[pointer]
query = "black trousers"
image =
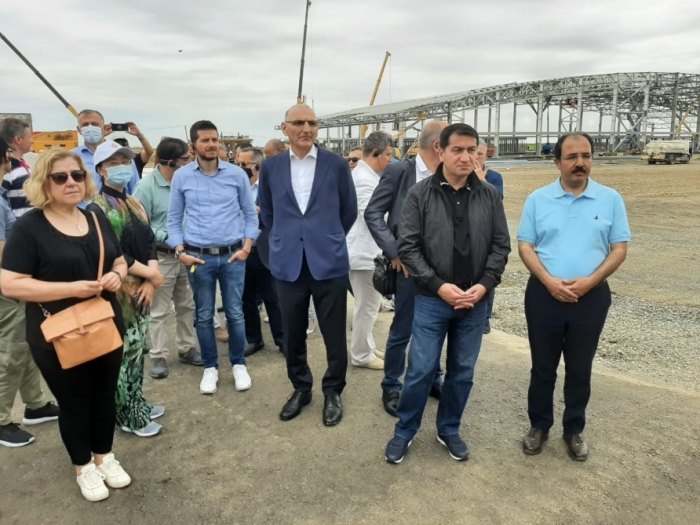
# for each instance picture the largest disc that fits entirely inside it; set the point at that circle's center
(573, 329)
(260, 283)
(86, 396)
(330, 299)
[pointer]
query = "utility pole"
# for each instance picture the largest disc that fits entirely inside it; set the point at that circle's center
(300, 99)
(41, 77)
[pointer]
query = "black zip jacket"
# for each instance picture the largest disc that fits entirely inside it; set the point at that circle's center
(426, 234)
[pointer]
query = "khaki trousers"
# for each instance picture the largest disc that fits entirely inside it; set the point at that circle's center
(175, 289)
(17, 368)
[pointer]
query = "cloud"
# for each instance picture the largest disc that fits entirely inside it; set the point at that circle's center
(239, 63)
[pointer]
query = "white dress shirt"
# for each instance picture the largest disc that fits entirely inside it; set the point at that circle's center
(361, 246)
(303, 171)
(422, 171)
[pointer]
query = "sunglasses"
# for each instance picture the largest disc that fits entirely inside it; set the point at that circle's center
(252, 165)
(353, 159)
(62, 178)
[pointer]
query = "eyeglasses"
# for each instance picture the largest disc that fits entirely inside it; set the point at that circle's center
(113, 163)
(300, 123)
(353, 159)
(572, 158)
(61, 178)
(244, 164)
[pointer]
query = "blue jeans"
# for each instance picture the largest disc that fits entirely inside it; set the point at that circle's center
(231, 278)
(433, 320)
(400, 335)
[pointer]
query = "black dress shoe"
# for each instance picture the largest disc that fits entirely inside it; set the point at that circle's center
(332, 410)
(436, 391)
(391, 401)
(292, 408)
(253, 348)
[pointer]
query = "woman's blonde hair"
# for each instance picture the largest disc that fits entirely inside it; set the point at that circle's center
(37, 186)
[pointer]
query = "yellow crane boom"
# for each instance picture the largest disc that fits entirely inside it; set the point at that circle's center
(363, 130)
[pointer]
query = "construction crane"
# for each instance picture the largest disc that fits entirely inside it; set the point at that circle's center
(300, 97)
(363, 130)
(41, 77)
(682, 121)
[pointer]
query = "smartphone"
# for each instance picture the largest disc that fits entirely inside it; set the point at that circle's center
(120, 127)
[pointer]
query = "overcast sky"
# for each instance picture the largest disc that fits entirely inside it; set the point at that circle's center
(239, 64)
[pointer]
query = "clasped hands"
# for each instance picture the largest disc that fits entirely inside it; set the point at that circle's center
(569, 290)
(459, 298)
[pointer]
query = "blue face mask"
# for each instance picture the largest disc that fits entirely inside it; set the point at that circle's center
(91, 134)
(119, 175)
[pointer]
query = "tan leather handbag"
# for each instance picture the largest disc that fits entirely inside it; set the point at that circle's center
(84, 331)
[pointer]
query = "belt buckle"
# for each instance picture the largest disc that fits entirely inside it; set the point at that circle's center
(213, 251)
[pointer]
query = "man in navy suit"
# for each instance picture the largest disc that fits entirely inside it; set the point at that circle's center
(308, 204)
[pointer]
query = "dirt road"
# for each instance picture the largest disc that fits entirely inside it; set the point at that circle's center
(229, 459)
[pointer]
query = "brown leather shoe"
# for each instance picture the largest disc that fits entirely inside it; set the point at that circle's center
(576, 447)
(533, 442)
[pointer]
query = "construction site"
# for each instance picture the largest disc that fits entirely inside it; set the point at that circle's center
(623, 112)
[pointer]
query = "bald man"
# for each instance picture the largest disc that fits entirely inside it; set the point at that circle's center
(274, 147)
(308, 203)
(388, 199)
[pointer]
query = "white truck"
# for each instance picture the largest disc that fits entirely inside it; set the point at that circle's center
(668, 151)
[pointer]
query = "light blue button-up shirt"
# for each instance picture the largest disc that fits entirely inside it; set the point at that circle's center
(572, 235)
(219, 208)
(89, 156)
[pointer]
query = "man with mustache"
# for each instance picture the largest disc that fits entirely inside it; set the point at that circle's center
(573, 235)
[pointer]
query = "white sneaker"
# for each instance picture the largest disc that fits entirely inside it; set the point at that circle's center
(241, 377)
(209, 381)
(113, 473)
(92, 484)
(150, 430)
(312, 326)
(157, 412)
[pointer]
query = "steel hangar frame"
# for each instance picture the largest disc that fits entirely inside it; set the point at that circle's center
(640, 107)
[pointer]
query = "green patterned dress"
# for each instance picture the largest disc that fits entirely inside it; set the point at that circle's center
(130, 222)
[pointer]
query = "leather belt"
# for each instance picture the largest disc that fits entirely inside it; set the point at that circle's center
(165, 250)
(215, 251)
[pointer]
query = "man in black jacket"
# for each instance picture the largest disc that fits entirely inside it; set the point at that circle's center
(388, 198)
(454, 242)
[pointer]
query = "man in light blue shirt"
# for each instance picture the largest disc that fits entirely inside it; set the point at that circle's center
(573, 235)
(91, 125)
(221, 224)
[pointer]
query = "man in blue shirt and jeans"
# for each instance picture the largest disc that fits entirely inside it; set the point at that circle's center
(220, 227)
(573, 235)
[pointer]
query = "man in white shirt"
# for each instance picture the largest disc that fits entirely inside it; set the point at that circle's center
(308, 203)
(382, 216)
(377, 154)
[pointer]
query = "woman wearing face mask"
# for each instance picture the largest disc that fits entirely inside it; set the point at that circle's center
(130, 222)
(51, 262)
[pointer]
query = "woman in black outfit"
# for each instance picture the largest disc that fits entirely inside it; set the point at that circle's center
(51, 258)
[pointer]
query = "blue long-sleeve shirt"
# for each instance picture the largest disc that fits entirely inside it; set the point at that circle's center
(219, 209)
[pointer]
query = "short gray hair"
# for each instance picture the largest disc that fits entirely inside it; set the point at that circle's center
(258, 155)
(377, 140)
(482, 142)
(11, 128)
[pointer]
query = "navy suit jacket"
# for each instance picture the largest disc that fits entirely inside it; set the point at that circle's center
(320, 232)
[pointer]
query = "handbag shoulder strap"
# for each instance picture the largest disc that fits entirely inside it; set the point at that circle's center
(102, 246)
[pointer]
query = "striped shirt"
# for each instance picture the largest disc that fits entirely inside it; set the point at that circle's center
(14, 184)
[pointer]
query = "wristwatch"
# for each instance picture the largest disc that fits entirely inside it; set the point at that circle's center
(178, 253)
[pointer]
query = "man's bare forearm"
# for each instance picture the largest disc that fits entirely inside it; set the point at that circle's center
(617, 255)
(532, 262)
